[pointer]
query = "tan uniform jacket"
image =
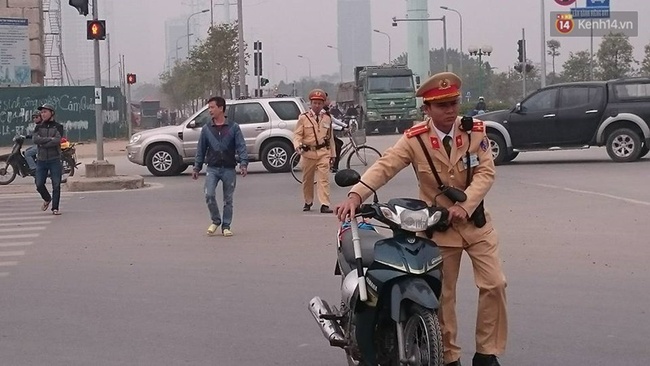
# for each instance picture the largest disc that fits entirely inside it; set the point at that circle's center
(311, 133)
(452, 172)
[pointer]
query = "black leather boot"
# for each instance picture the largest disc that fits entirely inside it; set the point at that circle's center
(307, 207)
(325, 209)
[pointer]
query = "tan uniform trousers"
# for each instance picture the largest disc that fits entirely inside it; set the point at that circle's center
(310, 167)
(491, 320)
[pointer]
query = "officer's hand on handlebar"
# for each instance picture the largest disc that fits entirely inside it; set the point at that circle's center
(347, 208)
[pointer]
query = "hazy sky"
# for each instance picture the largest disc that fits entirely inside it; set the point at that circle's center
(291, 27)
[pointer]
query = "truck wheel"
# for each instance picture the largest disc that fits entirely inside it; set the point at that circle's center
(276, 155)
(163, 160)
(624, 145)
(403, 126)
(370, 127)
(498, 148)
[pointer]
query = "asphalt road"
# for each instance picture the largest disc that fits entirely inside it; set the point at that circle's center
(130, 278)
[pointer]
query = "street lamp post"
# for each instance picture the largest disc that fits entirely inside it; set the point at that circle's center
(178, 47)
(188, 28)
(338, 52)
(442, 19)
(480, 52)
(286, 73)
(308, 64)
(461, 36)
(390, 59)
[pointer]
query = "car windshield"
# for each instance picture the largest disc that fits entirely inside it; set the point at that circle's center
(390, 84)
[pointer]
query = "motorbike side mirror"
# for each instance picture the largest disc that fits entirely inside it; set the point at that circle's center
(347, 178)
(454, 194)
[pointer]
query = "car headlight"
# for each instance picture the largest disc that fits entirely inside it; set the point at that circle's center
(135, 138)
(410, 220)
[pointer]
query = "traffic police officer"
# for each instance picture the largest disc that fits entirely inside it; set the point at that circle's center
(314, 141)
(453, 149)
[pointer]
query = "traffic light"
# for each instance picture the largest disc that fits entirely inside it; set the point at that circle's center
(96, 29)
(521, 47)
(264, 81)
(131, 79)
(80, 5)
(529, 67)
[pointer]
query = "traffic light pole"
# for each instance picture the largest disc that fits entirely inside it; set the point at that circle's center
(240, 45)
(99, 126)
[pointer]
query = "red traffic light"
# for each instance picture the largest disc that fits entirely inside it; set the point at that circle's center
(130, 78)
(96, 29)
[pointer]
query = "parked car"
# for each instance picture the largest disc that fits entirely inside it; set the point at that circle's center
(614, 114)
(266, 123)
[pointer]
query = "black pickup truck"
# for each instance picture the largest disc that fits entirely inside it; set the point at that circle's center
(615, 114)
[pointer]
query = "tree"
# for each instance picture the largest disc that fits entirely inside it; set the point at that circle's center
(576, 68)
(553, 47)
(645, 64)
(615, 57)
(211, 69)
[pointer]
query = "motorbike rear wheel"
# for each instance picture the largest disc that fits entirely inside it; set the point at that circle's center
(8, 172)
(423, 337)
(69, 166)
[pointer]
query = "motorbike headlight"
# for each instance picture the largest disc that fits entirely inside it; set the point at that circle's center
(135, 138)
(410, 220)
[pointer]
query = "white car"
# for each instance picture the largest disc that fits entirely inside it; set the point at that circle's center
(266, 123)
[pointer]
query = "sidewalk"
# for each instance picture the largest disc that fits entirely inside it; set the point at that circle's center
(86, 150)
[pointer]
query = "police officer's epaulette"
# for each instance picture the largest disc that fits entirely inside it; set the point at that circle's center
(478, 126)
(416, 130)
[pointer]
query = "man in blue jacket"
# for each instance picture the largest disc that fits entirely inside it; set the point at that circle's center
(219, 145)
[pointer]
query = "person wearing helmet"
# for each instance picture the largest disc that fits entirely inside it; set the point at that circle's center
(30, 152)
(47, 136)
(481, 106)
(314, 142)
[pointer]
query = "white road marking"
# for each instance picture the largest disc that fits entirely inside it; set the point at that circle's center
(8, 263)
(14, 253)
(16, 244)
(26, 228)
(18, 236)
(25, 225)
(24, 218)
(13, 214)
(619, 198)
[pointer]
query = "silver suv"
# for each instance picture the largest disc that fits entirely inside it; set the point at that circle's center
(266, 123)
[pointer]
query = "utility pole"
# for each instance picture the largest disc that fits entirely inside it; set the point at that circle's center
(99, 125)
(543, 47)
(242, 58)
(108, 51)
(525, 62)
(129, 122)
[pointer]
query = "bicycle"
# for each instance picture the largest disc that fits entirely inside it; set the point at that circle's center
(359, 155)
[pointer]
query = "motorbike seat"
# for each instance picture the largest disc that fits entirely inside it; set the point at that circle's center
(368, 240)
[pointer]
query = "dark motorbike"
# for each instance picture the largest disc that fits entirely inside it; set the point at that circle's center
(15, 163)
(390, 286)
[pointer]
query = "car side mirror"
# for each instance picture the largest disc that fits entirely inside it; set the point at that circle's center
(193, 124)
(518, 108)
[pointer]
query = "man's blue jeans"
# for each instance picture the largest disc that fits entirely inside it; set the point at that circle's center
(228, 178)
(30, 156)
(54, 167)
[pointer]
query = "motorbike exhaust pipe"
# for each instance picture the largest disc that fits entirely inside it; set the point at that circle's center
(330, 328)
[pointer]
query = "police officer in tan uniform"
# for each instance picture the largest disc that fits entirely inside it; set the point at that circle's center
(453, 150)
(313, 140)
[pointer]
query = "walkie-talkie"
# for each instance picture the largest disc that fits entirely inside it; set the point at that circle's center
(478, 216)
(466, 124)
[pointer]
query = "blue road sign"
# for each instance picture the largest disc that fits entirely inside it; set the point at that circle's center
(598, 3)
(589, 13)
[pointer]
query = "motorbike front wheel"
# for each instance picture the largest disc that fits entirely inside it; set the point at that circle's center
(423, 337)
(7, 172)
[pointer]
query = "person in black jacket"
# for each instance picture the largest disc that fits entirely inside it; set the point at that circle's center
(47, 136)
